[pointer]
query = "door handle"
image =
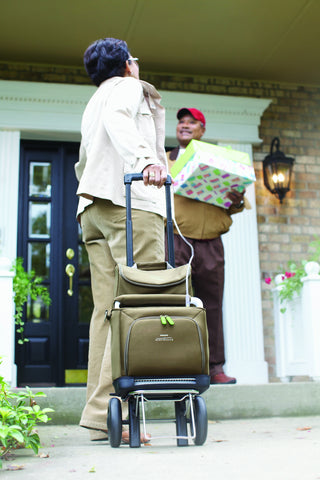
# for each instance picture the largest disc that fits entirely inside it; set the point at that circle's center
(70, 253)
(70, 272)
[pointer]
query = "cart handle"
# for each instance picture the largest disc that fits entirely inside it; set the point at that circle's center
(128, 179)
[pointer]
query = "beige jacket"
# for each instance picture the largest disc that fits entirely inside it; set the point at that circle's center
(123, 131)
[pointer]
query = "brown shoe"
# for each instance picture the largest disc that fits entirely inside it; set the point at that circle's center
(221, 379)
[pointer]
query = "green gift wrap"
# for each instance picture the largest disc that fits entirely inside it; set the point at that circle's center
(206, 172)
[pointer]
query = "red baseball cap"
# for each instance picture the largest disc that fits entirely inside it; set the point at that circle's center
(196, 114)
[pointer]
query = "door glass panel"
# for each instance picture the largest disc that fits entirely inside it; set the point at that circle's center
(84, 269)
(37, 311)
(39, 219)
(39, 258)
(85, 295)
(79, 234)
(85, 304)
(40, 179)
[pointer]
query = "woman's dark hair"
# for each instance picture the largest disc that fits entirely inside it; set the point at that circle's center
(106, 58)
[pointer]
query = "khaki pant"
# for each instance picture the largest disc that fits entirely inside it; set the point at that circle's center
(103, 227)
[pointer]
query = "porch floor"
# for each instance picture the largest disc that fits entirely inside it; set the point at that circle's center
(223, 402)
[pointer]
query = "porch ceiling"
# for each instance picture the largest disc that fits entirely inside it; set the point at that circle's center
(276, 40)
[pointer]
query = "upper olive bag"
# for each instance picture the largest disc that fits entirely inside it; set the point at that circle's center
(153, 278)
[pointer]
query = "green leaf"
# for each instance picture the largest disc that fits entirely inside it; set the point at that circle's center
(17, 436)
(43, 418)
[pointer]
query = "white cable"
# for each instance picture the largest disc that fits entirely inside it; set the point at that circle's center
(189, 263)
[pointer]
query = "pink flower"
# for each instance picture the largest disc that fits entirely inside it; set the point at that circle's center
(289, 274)
(268, 280)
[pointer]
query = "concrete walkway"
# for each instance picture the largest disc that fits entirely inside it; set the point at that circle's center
(246, 449)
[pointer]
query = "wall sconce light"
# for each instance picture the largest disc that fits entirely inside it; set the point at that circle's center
(277, 170)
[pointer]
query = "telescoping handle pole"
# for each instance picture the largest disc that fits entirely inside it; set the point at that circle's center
(128, 179)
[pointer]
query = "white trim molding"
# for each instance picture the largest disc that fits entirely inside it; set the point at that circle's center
(53, 111)
(43, 111)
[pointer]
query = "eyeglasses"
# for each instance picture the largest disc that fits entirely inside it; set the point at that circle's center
(133, 59)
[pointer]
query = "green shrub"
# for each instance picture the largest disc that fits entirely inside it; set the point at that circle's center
(19, 415)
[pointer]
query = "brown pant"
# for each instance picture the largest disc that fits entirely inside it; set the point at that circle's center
(208, 283)
(103, 227)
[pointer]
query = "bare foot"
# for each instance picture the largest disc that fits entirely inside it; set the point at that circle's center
(143, 438)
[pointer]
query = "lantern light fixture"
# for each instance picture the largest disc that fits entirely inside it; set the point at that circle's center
(277, 171)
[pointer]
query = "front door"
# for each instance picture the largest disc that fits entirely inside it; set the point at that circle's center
(49, 240)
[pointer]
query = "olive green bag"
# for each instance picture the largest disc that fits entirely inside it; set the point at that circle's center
(157, 335)
(152, 278)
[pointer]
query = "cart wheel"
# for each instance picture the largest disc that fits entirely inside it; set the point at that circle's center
(114, 422)
(181, 423)
(201, 420)
(134, 422)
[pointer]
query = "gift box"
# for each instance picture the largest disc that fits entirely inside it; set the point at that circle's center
(206, 172)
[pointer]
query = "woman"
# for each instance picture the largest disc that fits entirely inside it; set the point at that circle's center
(122, 132)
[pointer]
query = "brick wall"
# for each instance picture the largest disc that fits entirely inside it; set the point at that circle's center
(286, 230)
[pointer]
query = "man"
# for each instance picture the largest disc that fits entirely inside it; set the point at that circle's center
(122, 131)
(203, 224)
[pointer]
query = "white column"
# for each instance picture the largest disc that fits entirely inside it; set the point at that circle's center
(8, 369)
(243, 323)
(310, 314)
(290, 336)
(9, 175)
(9, 179)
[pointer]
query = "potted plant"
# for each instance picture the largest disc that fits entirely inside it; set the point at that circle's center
(290, 280)
(26, 285)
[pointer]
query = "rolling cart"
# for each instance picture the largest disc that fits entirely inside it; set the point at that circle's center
(172, 328)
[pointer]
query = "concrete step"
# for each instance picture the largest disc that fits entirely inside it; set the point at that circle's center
(223, 402)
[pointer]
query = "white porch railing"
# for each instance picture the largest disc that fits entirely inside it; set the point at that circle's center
(297, 330)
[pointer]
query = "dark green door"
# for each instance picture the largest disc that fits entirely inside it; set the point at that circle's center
(49, 241)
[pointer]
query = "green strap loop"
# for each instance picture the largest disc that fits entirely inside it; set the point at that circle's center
(163, 319)
(169, 320)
